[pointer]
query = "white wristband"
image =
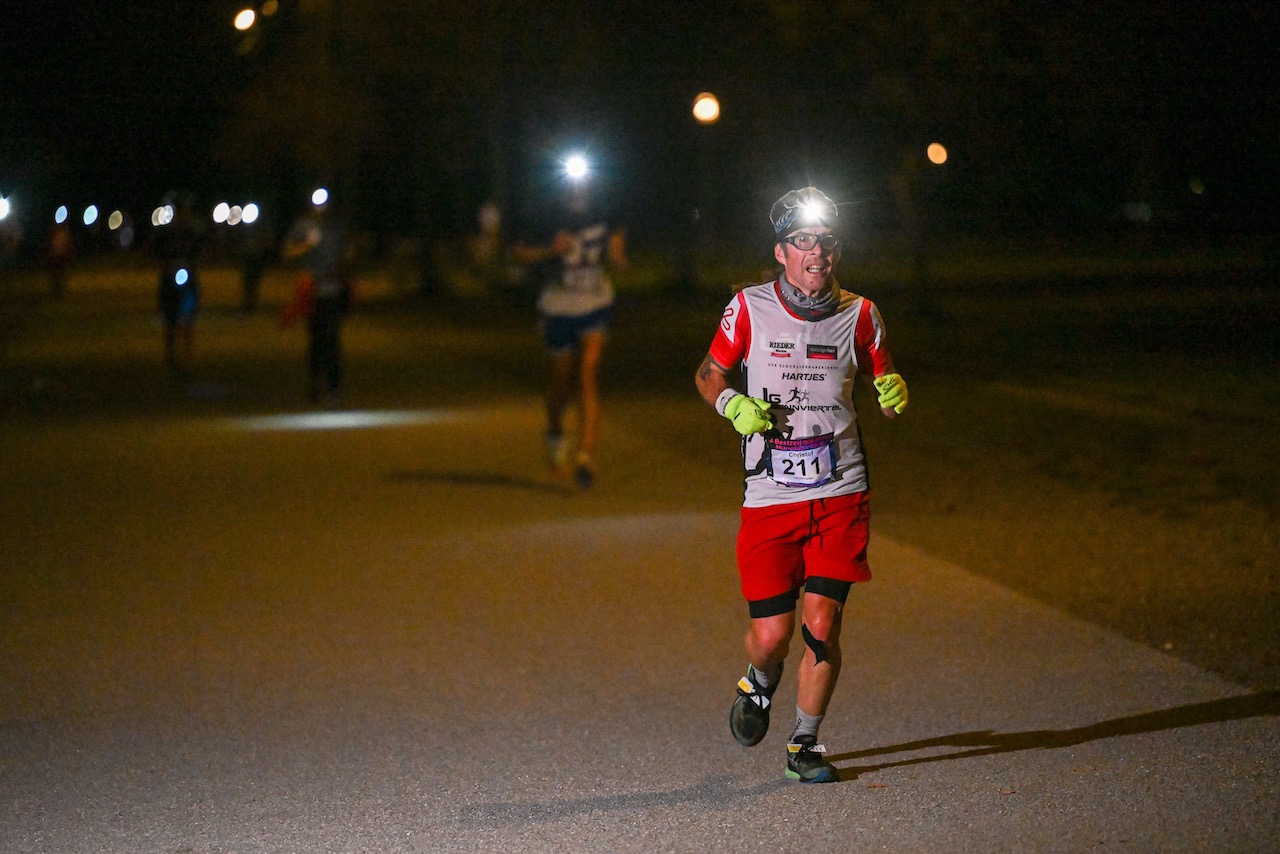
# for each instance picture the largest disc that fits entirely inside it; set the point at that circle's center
(725, 396)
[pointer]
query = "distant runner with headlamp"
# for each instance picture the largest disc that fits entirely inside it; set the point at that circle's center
(570, 256)
(799, 341)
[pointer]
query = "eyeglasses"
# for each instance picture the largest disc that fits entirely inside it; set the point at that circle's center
(804, 241)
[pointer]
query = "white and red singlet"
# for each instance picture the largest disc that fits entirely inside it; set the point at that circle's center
(805, 369)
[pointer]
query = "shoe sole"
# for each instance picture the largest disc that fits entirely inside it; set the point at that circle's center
(735, 728)
(826, 775)
(737, 721)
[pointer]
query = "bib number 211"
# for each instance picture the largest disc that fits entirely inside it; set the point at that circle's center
(802, 462)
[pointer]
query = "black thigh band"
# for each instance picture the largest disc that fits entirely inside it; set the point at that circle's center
(773, 606)
(830, 587)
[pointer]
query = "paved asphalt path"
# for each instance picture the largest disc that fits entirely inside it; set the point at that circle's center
(231, 631)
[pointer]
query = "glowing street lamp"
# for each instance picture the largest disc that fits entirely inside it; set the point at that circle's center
(937, 153)
(245, 19)
(706, 112)
(706, 108)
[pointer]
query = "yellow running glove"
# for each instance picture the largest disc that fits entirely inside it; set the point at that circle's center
(748, 414)
(893, 392)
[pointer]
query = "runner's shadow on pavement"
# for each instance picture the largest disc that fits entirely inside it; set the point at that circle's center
(988, 742)
(473, 478)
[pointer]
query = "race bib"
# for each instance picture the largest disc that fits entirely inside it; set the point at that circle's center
(802, 462)
(583, 280)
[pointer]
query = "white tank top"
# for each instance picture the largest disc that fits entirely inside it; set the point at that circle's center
(583, 285)
(805, 369)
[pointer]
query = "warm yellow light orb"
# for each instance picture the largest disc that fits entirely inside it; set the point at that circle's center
(937, 153)
(245, 18)
(706, 108)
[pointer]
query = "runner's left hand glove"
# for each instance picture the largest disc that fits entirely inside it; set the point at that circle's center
(748, 414)
(893, 392)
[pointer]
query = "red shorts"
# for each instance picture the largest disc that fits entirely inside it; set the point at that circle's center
(781, 546)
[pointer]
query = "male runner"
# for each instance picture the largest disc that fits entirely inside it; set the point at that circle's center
(318, 241)
(179, 245)
(571, 259)
(800, 341)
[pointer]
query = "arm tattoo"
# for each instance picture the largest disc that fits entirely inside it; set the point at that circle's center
(705, 370)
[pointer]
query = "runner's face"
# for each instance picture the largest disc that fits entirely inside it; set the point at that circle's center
(812, 270)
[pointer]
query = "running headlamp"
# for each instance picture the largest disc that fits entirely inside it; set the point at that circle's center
(802, 209)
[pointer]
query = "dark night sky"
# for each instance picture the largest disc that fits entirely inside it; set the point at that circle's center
(111, 92)
(127, 99)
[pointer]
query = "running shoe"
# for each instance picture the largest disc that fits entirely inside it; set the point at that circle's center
(749, 716)
(584, 472)
(556, 450)
(805, 763)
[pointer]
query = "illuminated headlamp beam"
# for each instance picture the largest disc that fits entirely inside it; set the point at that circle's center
(576, 167)
(339, 420)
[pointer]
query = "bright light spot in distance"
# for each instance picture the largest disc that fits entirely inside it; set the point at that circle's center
(115, 220)
(181, 276)
(221, 211)
(234, 215)
(4, 207)
(706, 108)
(937, 153)
(355, 420)
(576, 167)
(320, 196)
(162, 215)
(250, 213)
(91, 215)
(60, 215)
(245, 18)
